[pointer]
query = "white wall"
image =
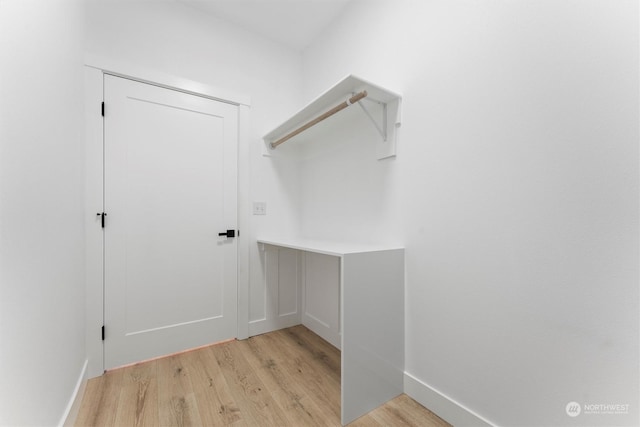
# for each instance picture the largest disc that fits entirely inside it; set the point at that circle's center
(172, 38)
(41, 209)
(515, 191)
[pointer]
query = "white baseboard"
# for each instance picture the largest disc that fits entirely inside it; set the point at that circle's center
(442, 405)
(73, 407)
(330, 335)
(259, 327)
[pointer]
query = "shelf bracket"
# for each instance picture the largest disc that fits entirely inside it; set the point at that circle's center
(382, 130)
(387, 127)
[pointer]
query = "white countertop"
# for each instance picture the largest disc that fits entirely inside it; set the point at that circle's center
(325, 247)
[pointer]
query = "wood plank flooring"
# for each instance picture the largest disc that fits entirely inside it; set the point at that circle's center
(289, 377)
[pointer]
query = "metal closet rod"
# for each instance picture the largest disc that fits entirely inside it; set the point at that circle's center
(355, 98)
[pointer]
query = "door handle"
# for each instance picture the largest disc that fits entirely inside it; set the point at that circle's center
(228, 233)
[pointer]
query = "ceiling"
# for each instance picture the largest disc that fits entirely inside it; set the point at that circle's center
(294, 23)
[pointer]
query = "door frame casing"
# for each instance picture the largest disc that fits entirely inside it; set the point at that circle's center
(95, 69)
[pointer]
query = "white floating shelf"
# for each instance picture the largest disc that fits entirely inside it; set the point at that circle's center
(386, 123)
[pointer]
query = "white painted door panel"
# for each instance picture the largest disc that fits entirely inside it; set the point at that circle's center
(170, 187)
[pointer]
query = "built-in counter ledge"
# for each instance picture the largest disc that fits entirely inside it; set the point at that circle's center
(325, 247)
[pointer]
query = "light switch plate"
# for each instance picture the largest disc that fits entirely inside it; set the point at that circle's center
(259, 208)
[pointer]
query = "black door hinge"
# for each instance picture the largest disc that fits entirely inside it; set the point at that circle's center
(102, 332)
(102, 109)
(102, 215)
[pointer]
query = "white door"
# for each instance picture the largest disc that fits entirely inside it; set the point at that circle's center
(170, 186)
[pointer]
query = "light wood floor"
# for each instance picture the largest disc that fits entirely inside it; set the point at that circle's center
(284, 378)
